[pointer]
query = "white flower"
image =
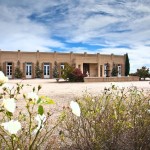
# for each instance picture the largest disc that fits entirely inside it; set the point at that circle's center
(3, 78)
(75, 108)
(148, 111)
(93, 100)
(33, 96)
(8, 86)
(9, 104)
(102, 109)
(12, 126)
(40, 119)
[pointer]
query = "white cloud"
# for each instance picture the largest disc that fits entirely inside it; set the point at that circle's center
(18, 32)
(30, 25)
(138, 55)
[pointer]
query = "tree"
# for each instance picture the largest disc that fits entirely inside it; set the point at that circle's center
(114, 72)
(56, 70)
(68, 69)
(38, 70)
(127, 65)
(18, 73)
(72, 74)
(143, 72)
(76, 76)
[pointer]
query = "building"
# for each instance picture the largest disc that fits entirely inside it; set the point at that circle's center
(96, 65)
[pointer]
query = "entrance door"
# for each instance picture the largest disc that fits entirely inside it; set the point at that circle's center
(86, 69)
(9, 70)
(46, 71)
(105, 70)
(119, 70)
(62, 67)
(28, 70)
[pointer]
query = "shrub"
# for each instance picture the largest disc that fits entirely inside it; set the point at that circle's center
(72, 74)
(38, 70)
(127, 65)
(76, 76)
(18, 73)
(27, 126)
(114, 70)
(68, 69)
(56, 70)
(117, 119)
(143, 72)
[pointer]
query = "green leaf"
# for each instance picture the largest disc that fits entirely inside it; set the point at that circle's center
(1, 110)
(49, 101)
(24, 96)
(39, 100)
(39, 87)
(33, 89)
(40, 110)
(9, 114)
(46, 100)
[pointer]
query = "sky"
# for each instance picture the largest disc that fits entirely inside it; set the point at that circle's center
(92, 26)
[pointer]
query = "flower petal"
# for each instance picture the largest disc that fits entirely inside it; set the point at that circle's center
(75, 108)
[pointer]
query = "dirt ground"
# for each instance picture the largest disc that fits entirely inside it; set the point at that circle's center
(63, 92)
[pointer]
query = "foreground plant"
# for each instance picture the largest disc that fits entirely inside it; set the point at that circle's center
(117, 119)
(25, 119)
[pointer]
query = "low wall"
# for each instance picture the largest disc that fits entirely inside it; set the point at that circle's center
(111, 79)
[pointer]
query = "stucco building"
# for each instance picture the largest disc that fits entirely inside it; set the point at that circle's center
(97, 65)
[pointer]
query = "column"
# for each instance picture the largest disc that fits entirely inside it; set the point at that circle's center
(33, 71)
(98, 65)
(51, 70)
(81, 68)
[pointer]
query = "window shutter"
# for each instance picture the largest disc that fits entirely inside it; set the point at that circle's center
(13, 70)
(51, 71)
(42, 66)
(33, 71)
(4, 68)
(24, 70)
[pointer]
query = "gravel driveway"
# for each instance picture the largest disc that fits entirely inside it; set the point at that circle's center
(64, 92)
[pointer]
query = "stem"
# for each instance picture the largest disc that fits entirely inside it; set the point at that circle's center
(30, 147)
(30, 121)
(12, 143)
(5, 141)
(50, 131)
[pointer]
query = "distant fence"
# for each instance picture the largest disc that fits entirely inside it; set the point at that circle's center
(111, 79)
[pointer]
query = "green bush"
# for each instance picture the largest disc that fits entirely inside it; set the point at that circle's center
(143, 72)
(18, 73)
(38, 70)
(72, 74)
(117, 119)
(68, 69)
(55, 70)
(25, 118)
(114, 72)
(76, 76)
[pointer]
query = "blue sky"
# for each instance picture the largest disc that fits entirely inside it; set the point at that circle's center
(92, 26)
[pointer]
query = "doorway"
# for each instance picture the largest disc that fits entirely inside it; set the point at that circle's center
(119, 70)
(28, 70)
(46, 70)
(86, 69)
(9, 70)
